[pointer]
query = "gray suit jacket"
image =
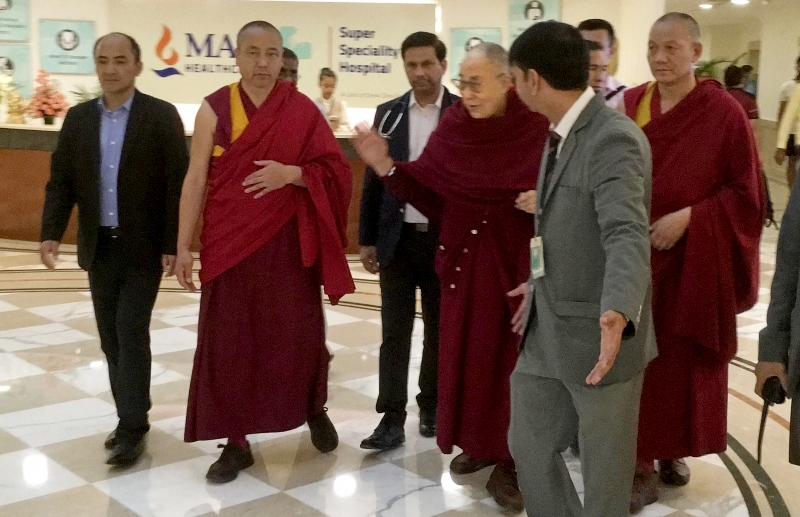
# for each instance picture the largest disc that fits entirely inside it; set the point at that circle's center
(594, 219)
(779, 341)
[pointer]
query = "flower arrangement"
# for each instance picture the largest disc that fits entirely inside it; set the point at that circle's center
(16, 108)
(47, 102)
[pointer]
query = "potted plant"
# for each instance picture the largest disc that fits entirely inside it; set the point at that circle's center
(711, 68)
(85, 94)
(47, 102)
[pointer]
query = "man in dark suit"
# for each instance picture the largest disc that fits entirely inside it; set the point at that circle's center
(400, 243)
(122, 159)
(779, 342)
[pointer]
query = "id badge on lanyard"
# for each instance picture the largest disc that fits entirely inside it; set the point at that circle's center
(537, 257)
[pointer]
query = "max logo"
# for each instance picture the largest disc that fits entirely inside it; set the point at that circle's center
(161, 52)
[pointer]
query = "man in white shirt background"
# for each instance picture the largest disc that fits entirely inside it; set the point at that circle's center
(399, 243)
(602, 32)
(790, 148)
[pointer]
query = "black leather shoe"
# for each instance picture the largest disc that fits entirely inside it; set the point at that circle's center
(124, 453)
(388, 435)
(323, 434)
(111, 440)
(233, 459)
(427, 423)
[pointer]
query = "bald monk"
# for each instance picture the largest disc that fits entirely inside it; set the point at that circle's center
(707, 211)
(482, 157)
(275, 186)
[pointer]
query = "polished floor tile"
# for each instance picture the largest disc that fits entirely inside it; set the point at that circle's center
(385, 490)
(55, 407)
(12, 367)
(28, 474)
(180, 490)
(60, 422)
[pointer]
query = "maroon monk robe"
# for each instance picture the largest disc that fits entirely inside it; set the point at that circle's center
(704, 156)
(263, 261)
(468, 177)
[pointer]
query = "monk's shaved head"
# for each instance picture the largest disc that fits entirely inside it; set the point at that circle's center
(690, 23)
(494, 53)
(257, 25)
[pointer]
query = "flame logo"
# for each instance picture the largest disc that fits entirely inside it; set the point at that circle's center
(166, 37)
(172, 59)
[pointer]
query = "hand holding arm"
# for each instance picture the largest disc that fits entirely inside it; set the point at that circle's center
(668, 230)
(526, 201)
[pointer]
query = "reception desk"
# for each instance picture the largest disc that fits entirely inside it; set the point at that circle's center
(25, 168)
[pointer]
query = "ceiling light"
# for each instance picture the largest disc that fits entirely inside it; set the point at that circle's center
(740, 2)
(706, 6)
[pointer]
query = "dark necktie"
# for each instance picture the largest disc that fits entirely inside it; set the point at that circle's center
(552, 154)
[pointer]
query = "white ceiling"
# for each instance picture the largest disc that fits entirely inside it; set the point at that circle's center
(724, 12)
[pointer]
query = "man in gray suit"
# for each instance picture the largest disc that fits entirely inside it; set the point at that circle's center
(779, 342)
(589, 293)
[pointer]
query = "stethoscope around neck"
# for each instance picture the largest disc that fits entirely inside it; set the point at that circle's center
(382, 125)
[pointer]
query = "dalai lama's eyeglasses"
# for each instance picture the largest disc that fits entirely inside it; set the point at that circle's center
(473, 86)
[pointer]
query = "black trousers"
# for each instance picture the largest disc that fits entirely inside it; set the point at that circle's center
(410, 267)
(123, 296)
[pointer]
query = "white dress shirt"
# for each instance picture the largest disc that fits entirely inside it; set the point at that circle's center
(571, 116)
(421, 123)
(612, 85)
(790, 123)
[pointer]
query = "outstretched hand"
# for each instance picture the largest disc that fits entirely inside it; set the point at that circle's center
(373, 149)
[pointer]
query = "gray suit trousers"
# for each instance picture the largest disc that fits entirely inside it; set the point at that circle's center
(543, 423)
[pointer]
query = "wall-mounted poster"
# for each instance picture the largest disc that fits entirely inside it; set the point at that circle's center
(14, 20)
(524, 13)
(15, 61)
(461, 40)
(67, 46)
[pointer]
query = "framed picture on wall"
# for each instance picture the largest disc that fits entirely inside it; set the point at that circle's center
(15, 60)
(15, 16)
(524, 13)
(461, 40)
(67, 46)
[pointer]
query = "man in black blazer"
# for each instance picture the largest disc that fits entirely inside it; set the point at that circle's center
(400, 243)
(122, 159)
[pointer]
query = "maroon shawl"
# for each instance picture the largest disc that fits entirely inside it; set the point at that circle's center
(288, 128)
(704, 156)
(479, 166)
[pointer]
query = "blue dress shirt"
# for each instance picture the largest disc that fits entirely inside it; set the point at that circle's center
(112, 134)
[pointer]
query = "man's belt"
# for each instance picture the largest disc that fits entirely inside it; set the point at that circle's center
(110, 232)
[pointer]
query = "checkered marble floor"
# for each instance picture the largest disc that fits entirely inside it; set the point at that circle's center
(56, 409)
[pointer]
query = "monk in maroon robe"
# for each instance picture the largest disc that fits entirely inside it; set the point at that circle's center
(276, 187)
(484, 153)
(707, 213)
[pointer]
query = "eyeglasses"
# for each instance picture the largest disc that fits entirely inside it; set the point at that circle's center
(473, 86)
